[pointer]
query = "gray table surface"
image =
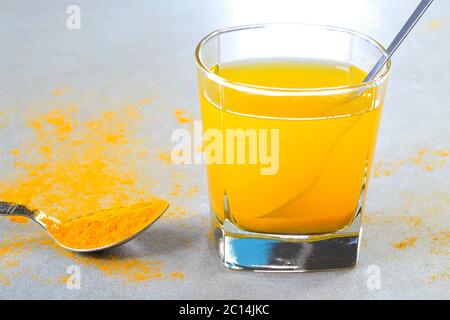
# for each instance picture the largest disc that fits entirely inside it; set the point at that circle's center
(126, 51)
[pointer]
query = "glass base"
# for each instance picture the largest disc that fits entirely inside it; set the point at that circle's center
(242, 250)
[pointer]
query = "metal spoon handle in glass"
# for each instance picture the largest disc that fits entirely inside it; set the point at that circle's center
(401, 35)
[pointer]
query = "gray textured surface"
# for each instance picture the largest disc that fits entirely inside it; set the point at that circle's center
(126, 51)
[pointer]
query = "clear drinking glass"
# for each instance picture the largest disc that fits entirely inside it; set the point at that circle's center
(288, 164)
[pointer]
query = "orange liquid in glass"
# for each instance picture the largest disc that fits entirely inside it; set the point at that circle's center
(326, 145)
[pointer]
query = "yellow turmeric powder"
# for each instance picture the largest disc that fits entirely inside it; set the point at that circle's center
(19, 219)
(405, 243)
(84, 173)
(181, 117)
(130, 270)
(106, 227)
(424, 158)
(73, 164)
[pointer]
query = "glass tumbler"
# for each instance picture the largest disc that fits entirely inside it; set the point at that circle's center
(288, 164)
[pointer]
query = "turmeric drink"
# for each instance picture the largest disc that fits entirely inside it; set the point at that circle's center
(313, 147)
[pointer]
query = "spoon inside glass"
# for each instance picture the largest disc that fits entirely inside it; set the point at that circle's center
(95, 231)
(353, 94)
(401, 35)
(343, 99)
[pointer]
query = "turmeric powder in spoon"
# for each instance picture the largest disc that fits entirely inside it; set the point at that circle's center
(106, 228)
(97, 230)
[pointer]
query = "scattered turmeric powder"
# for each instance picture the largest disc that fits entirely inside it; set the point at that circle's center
(175, 190)
(165, 157)
(9, 252)
(192, 191)
(59, 91)
(74, 168)
(74, 165)
(415, 221)
(4, 280)
(442, 238)
(130, 270)
(175, 214)
(181, 117)
(408, 242)
(64, 279)
(176, 275)
(79, 171)
(445, 275)
(410, 220)
(423, 217)
(424, 158)
(19, 219)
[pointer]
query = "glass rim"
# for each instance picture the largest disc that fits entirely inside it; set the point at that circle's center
(266, 90)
